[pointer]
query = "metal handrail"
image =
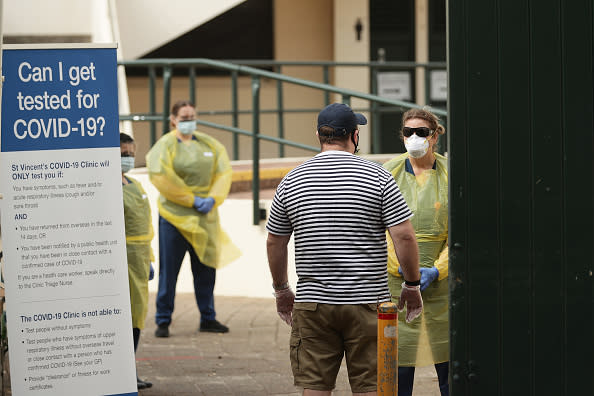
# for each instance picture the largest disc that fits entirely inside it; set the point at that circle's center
(274, 76)
(237, 67)
(257, 62)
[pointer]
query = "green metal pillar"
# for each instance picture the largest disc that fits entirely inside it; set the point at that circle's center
(256, 148)
(192, 85)
(326, 77)
(235, 113)
(279, 110)
(152, 104)
(167, 73)
(376, 139)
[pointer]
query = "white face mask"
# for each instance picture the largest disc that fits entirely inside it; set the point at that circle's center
(186, 127)
(127, 164)
(416, 146)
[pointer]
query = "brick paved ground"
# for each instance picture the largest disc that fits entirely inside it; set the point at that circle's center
(252, 359)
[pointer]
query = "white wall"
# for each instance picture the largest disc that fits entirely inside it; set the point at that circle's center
(41, 17)
(148, 24)
(144, 24)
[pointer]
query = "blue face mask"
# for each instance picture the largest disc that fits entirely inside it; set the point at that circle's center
(186, 127)
(127, 164)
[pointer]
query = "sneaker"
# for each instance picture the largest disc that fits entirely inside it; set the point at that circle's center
(162, 330)
(213, 326)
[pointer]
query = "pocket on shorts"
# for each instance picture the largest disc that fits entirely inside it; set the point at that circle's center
(368, 320)
(300, 313)
(294, 344)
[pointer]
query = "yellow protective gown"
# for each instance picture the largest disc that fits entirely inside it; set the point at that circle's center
(139, 233)
(425, 341)
(183, 170)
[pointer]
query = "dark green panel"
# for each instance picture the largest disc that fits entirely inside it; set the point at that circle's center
(458, 197)
(548, 234)
(521, 125)
(578, 175)
(483, 211)
(515, 186)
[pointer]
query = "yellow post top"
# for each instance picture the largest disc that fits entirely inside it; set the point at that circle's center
(387, 307)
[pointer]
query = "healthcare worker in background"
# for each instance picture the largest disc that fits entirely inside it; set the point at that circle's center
(422, 176)
(139, 234)
(192, 172)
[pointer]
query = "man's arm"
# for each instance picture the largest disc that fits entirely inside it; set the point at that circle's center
(407, 251)
(276, 247)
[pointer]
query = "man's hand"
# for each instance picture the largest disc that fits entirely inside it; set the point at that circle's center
(411, 297)
(276, 247)
(284, 304)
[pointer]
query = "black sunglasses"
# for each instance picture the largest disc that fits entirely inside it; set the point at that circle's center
(420, 132)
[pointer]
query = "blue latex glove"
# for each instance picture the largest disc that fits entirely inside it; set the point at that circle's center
(400, 271)
(203, 205)
(197, 202)
(151, 272)
(428, 275)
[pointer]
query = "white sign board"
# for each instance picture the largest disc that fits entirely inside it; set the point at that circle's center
(66, 277)
(394, 85)
(439, 86)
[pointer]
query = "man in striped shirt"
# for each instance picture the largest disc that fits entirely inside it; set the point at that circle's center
(338, 207)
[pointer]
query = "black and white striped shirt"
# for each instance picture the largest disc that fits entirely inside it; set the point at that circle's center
(338, 206)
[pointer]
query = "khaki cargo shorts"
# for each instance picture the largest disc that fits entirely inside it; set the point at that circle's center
(322, 334)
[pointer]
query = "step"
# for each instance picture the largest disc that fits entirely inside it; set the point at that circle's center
(273, 170)
(271, 173)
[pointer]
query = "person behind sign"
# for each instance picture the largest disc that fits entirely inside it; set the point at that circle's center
(338, 207)
(139, 233)
(192, 172)
(422, 175)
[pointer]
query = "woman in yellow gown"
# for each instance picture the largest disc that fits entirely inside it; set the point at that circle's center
(192, 172)
(139, 234)
(422, 176)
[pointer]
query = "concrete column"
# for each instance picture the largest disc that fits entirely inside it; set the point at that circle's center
(351, 47)
(421, 47)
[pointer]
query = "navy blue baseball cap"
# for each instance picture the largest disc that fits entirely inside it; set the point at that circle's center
(341, 118)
